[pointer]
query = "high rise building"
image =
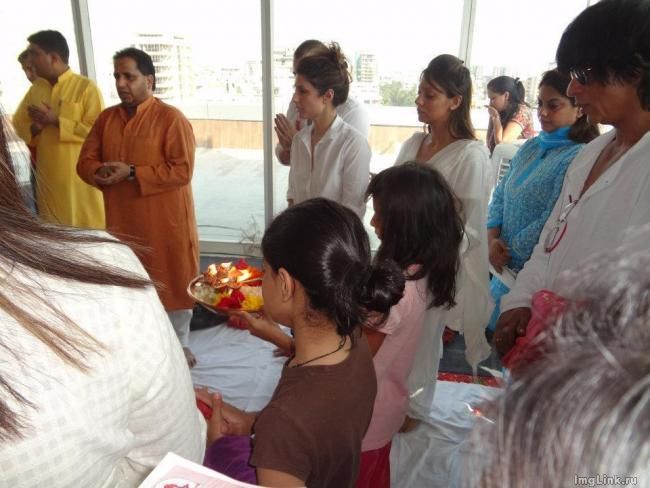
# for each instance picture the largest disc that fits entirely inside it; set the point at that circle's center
(283, 76)
(366, 69)
(172, 58)
(530, 85)
(500, 71)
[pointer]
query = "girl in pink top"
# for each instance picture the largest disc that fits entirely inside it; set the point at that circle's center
(416, 218)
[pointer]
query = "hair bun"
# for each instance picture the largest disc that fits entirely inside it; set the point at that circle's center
(381, 286)
(336, 55)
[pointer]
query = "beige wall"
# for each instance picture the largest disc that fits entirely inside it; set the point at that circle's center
(247, 134)
(239, 134)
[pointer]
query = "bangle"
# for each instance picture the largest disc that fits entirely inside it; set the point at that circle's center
(131, 172)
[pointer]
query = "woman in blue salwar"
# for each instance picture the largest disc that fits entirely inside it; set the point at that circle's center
(524, 198)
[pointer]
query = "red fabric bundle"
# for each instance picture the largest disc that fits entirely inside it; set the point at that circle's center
(546, 307)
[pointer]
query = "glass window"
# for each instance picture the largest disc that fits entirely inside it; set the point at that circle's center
(387, 48)
(208, 60)
(21, 19)
(516, 40)
(208, 64)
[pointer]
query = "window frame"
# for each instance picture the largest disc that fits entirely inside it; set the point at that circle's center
(81, 20)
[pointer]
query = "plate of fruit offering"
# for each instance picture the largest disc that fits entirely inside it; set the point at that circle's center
(228, 287)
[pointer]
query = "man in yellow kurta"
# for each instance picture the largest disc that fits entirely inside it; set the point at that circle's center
(141, 155)
(40, 91)
(59, 109)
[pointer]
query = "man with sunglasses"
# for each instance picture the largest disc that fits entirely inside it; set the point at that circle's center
(606, 50)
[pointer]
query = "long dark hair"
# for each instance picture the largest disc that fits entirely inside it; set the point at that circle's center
(450, 74)
(516, 95)
(27, 244)
(326, 70)
(582, 131)
(324, 246)
(420, 225)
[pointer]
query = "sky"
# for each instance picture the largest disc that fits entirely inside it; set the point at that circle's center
(404, 34)
(228, 31)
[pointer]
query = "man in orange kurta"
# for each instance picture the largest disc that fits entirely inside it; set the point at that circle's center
(141, 155)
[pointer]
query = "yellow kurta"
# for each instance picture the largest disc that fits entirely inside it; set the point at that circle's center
(39, 90)
(61, 195)
(156, 209)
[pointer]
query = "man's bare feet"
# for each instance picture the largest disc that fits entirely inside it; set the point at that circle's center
(408, 425)
(189, 357)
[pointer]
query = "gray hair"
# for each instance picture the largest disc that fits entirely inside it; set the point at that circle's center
(583, 410)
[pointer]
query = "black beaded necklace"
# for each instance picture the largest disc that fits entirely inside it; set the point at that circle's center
(341, 344)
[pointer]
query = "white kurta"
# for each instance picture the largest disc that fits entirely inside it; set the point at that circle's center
(340, 169)
(111, 426)
(465, 166)
(617, 202)
(351, 111)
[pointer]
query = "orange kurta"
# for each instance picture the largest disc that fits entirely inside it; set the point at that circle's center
(155, 209)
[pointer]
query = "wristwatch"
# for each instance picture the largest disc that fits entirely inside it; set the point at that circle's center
(131, 172)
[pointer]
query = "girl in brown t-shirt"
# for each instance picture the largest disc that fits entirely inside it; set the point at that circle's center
(318, 280)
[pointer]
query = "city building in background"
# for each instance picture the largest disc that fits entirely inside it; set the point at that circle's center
(366, 81)
(172, 58)
(208, 58)
(366, 68)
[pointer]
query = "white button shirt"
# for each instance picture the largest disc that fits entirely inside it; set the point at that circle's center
(617, 202)
(340, 170)
(108, 427)
(351, 111)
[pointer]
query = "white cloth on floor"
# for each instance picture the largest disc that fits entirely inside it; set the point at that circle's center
(242, 367)
(432, 455)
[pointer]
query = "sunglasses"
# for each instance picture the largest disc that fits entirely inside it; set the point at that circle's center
(581, 75)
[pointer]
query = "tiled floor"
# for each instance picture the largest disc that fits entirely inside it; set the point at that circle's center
(453, 360)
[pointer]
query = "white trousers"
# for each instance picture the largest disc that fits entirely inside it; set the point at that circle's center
(180, 320)
(424, 374)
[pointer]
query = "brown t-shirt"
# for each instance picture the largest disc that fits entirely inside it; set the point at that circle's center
(313, 426)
